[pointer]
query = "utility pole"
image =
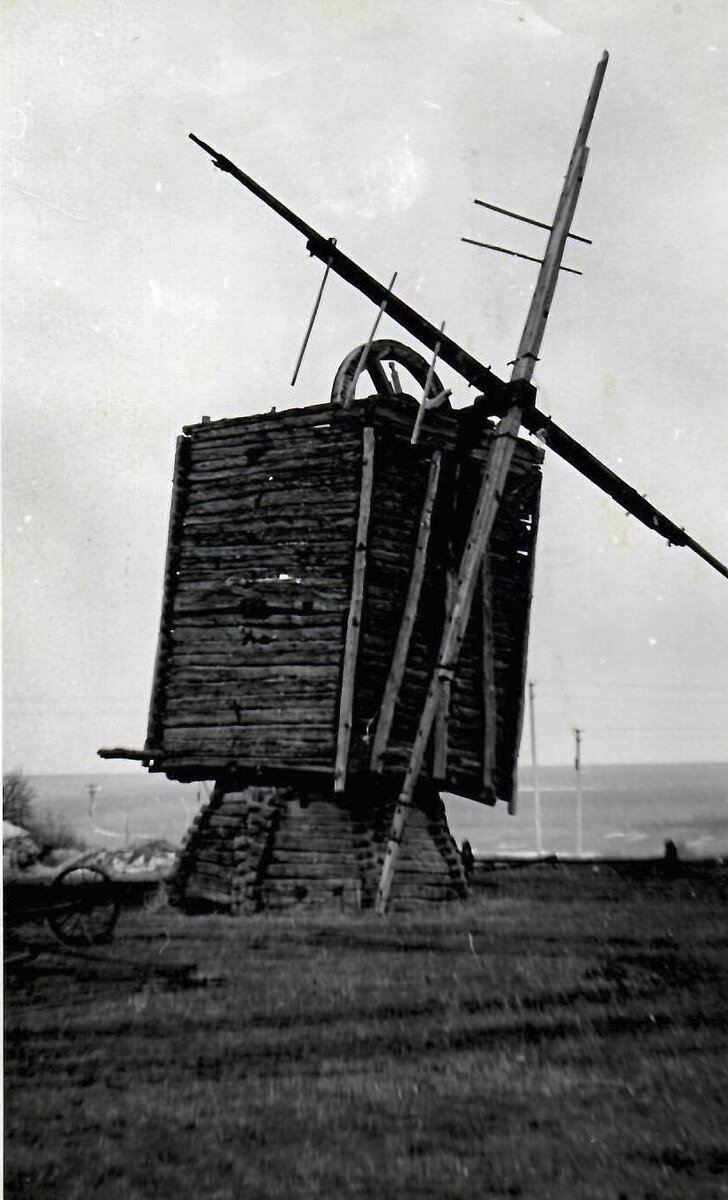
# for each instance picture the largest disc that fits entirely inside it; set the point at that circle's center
(577, 768)
(534, 762)
(92, 789)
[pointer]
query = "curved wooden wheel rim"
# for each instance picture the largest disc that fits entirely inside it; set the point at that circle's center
(384, 350)
(88, 917)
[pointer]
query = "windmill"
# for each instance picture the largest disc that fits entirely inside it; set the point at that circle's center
(346, 603)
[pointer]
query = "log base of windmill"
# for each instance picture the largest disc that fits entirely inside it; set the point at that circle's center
(270, 849)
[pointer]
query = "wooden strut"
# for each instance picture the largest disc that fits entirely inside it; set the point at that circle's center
(442, 717)
(426, 391)
(307, 334)
(353, 625)
(365, 348)
(535, 512)
(399, 658)
(494, 479)
(529, 220)
(490, 702)
(176, 511)
(515, 254)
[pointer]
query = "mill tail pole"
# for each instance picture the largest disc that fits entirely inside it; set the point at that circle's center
(521, 394)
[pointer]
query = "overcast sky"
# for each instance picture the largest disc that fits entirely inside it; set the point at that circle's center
(143, 289)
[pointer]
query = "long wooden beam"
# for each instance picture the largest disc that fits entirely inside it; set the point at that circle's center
(321, 247)
(473, 372)
(353, 625)
(493, 484)
(490, 695)
(441, 732)
(507, 212)
(409, 615)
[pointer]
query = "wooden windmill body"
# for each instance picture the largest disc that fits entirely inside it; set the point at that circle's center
(309, 569)
(345, 616)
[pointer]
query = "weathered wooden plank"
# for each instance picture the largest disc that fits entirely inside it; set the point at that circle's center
(227, 631)
(280, 717)
(522, 674)
(323, 415)
(303, 554)
(440, 733)
(233, 478)
(353, 625)
(278, 502)
(316, 675)
(490, 695)
(399, 658)
(176, 515)
(258, 453)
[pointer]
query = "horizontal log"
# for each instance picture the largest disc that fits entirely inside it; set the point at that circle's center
(269, 674)
(253, 720)
(204, 859)
(228, 652)
(277, 454)
(263, 527)
(216, 836)
(201, 873)
(322, 415)
(309, 739)
(269, 530)
(311, 880)
(334, 475)
(272, 498)
(320, 631)
(295, 856)
(264, 444)
(259, 692)
(304, 555)
(252, 604)
(303, 722)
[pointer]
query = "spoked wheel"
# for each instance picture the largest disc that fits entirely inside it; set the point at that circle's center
(84, 906)
(379, 353)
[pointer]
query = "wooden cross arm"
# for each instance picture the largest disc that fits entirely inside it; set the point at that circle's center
(606, 480)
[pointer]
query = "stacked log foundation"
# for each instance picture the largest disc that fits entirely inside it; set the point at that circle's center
(264, 849)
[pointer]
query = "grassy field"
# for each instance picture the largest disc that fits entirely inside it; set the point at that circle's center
(561, 1034)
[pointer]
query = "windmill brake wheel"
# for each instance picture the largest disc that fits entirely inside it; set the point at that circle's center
(83, 906)
(377, 354)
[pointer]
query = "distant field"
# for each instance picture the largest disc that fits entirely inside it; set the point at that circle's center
(561, 1034)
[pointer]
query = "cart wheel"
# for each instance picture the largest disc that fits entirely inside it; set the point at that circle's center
(85, 906)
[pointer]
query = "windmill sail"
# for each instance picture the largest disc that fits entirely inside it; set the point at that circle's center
(471, 370)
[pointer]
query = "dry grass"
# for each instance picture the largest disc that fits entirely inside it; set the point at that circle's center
(562, 1034)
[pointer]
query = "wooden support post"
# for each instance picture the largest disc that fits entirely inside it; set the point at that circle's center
(365, 348)
(442, 720)
(353, 626)
(494, 479)
(399, 658)
(524, 661)
(490, 700)
(426, 390)
(176, 512)
(307, 334)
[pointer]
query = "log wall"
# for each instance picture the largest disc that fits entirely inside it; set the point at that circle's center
(258, 589)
